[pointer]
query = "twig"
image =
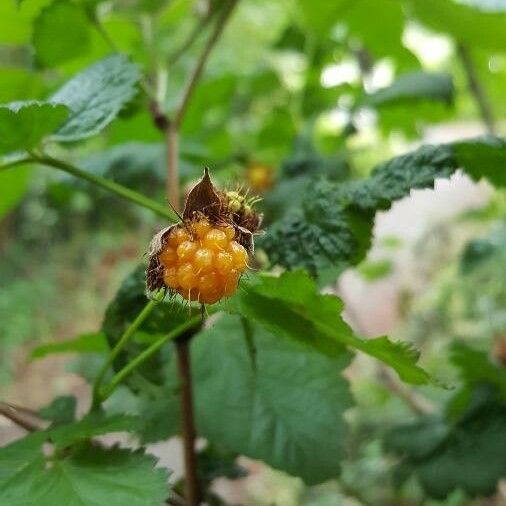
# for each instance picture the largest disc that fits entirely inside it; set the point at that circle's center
(476, 88)
(192, 488)
(201, 62)
(192, 38)
(20, 416)
(172, 147)
(108, 185)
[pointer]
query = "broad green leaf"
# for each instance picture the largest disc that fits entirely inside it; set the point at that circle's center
(24, 124)
(61, 411)
(412, 87)
(87, 476)
(124, 308)
(465, 454)
(475, 368)
(285, 408)
(16, 20)
(466, 24)
(290, 306)
(95, 96)
(13, 186)
(319, 16)
(485, 157)
(61, 32)
(94, 342)
(333, 224)
(90, 426)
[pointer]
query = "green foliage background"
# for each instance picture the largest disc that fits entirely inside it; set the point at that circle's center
(299, 88)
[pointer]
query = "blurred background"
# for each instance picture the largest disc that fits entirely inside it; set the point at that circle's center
(293, 89)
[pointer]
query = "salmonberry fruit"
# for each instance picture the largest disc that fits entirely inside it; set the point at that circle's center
(202, 261)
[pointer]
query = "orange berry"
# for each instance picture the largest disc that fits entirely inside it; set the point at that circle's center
(210, 297)
(186, 250)
(215, 239)
(229, 232)
(200, 228)
(230, 282)
(168, 256)
(239, 255)
(177, 236)
(170, 277)
(223, 262)
(208, 282)
(186, 276)
(203, 260)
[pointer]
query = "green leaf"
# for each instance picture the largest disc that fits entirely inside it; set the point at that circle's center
(61, 411)
(291, 306)
(375, 270)
(61, 32)
(121, 312)
(475, 368)
(466, 24)
(88, 476)
(483, 157)
(92, 425)
(95, 96)
(413, 87)
(333, 226)
(94, 342)
(24, 124)
(285, 409)
(13, 187)
(466, 454)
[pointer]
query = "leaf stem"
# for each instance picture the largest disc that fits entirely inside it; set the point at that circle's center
(172, 147)
(14, 162)
(476, 88)
(123, 340)
(20, 416)
(111, 186)
(147, 353)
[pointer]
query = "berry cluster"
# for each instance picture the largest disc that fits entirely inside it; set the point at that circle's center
(202, 262)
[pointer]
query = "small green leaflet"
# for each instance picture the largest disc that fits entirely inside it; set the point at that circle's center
(411, 87)
(275, 409)
(61, 32)
(94, 342)
(95, 96)
(61, 411)
(290, 306)
(24, 124)
(86, 476)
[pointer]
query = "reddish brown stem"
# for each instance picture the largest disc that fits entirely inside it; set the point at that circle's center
(192, 488)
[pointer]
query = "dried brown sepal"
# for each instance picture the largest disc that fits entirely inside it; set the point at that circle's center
(154, 272)
(203, 199)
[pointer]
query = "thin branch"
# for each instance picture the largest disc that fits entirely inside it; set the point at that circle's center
(147, 353)
(111, 186)
(192, 487)
(123, 340)
(476, 88)
(14, 162)
(20, 416)
(191, 39)
(172, 150)
(201, 62)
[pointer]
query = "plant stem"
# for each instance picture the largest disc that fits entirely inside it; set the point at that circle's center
(192, 488)
(111, 186)
(201, 62)
(20, 416)
(476, 88)
(123, 340)
(147, 353)
(172, 144)
(15, 162)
